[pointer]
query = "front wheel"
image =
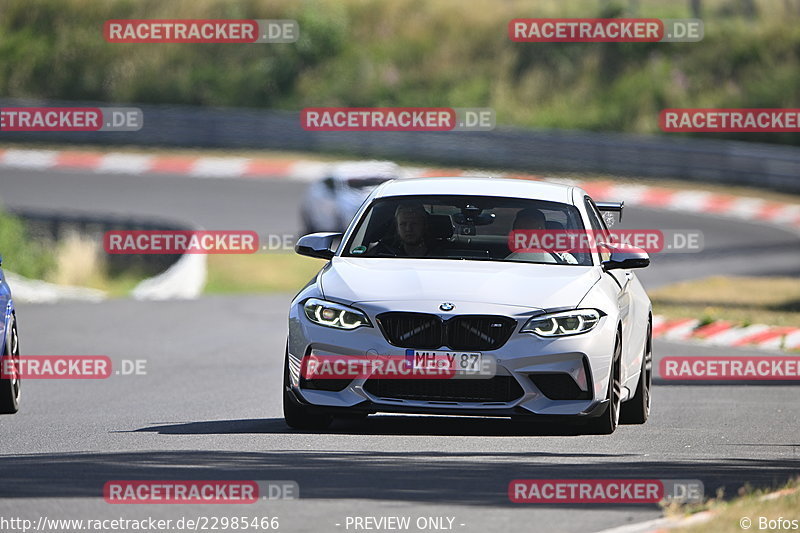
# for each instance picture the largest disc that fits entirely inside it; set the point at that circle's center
(606, 423)
(637, 410)
(295, 415)
(10, 388)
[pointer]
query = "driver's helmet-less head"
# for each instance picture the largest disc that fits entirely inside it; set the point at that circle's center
(530, 218)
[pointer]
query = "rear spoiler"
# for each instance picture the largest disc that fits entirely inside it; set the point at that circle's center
(614, 207)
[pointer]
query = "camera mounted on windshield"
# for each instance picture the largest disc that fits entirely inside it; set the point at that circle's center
(470, 217)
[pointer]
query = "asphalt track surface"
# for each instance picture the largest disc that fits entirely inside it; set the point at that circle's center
(209, 406)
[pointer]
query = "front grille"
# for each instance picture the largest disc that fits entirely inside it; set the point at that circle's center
(497, 389)
(463, 332)
(479, 332)
(412, 330)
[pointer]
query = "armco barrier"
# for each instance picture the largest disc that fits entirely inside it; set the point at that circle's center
(729, 162)
(171, 275)
(53, 227)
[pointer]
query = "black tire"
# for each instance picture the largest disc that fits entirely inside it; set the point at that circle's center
(295, 415)
(637, 410)
(606, 423)
(10, 388)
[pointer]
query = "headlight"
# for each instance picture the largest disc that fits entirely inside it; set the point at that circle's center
(334, 315)
(563, 323)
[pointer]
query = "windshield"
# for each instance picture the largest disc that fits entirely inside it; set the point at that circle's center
(461, 227)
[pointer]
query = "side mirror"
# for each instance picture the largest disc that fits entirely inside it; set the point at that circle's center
(625, 258)
(1, 259)
(319, 245)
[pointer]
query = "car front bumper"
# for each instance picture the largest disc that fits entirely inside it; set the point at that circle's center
(524, 358)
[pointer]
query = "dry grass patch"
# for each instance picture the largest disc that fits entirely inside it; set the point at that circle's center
(275, 272)
(754, 509)
(742, 300)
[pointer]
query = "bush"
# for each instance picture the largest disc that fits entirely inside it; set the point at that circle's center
(414, 53)
(21, 255)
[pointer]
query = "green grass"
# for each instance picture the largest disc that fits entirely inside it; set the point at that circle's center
(414, 53)
(21, 254)
(274, 272)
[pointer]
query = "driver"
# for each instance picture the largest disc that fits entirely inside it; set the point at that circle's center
(412, 233)
(532, 219)
(411, 221)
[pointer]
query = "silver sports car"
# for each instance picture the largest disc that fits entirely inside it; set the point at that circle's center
(426, 279)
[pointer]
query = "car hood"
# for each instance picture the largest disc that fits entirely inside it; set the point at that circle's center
(352, 280)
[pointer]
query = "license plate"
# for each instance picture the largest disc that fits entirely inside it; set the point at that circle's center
(463, 364)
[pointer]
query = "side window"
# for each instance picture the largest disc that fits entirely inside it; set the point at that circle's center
(595, 219)
(598, 225)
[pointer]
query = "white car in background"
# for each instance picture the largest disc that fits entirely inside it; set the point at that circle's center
(567, 336)
(331, 202)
